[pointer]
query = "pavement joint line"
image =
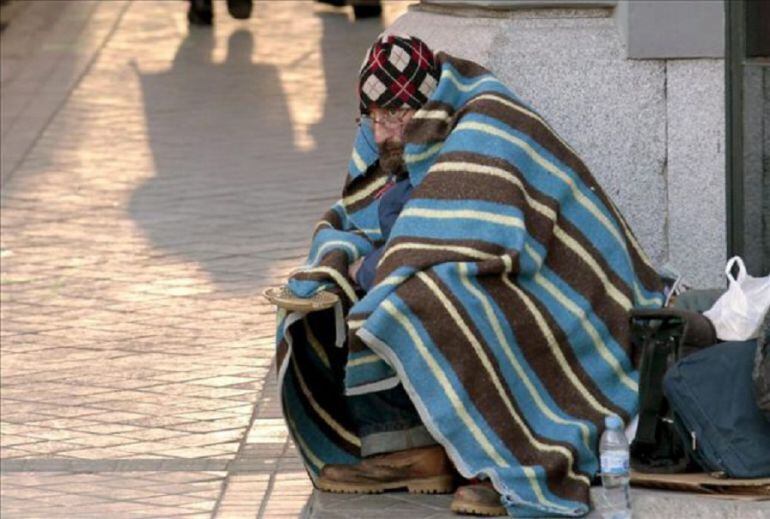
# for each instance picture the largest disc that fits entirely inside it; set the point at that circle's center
(270, 486)
(66, 98)
(242, 447)
(114, 465)
(136, 465)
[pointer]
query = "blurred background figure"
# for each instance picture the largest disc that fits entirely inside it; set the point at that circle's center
(361, 8)
(201, 12)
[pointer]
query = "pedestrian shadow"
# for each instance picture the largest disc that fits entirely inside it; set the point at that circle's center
(232, 191)
(210, 127)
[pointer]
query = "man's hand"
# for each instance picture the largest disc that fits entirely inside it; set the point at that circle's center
(353, 268)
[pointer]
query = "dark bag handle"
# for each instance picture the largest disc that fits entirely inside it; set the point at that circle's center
(660, 337)
(657, 340)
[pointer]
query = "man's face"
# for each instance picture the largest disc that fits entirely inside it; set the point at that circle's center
(388, 134)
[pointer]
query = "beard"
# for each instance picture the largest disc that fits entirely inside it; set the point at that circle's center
(392, 157)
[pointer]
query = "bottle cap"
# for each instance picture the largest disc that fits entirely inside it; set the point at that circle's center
(613, 421)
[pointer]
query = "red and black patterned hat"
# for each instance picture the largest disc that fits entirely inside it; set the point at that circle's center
(398, 72)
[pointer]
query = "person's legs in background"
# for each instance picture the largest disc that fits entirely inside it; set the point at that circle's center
(239, 9)
(201, 12)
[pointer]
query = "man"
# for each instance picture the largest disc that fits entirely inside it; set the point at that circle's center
(484, 281)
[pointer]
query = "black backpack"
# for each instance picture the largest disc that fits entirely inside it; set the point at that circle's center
(660, 338)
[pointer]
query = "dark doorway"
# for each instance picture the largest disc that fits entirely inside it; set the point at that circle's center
(748, 130)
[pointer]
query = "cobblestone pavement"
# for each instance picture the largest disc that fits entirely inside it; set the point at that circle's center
(155, 180)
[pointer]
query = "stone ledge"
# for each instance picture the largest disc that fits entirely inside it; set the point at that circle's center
(521, 8)
(646, 504)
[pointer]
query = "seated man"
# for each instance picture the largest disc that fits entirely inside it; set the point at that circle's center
(484, 283)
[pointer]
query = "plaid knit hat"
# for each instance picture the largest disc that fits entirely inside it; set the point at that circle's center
(398, 72)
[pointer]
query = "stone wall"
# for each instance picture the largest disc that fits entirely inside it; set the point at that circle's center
(652, 131)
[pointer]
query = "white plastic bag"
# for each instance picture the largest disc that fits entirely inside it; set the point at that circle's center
(738, 313)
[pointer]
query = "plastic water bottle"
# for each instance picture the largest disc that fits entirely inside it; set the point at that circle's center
(614, 459)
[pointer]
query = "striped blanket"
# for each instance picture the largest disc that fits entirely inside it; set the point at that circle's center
(500, 302)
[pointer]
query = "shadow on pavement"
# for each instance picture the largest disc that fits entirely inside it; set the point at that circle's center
(232, 189)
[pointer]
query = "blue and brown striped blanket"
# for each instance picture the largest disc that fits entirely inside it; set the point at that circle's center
(500, 303)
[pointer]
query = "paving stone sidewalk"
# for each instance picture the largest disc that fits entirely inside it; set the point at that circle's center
(154, 180)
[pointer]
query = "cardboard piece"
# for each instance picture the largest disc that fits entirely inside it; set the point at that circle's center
(703, 483)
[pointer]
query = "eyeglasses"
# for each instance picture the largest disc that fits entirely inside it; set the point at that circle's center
(390, 119)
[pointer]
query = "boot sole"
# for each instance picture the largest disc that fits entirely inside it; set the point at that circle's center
(478, 509)
(435, 485)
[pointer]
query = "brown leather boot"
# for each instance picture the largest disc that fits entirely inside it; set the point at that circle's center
(426, 470)
(477, 499)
